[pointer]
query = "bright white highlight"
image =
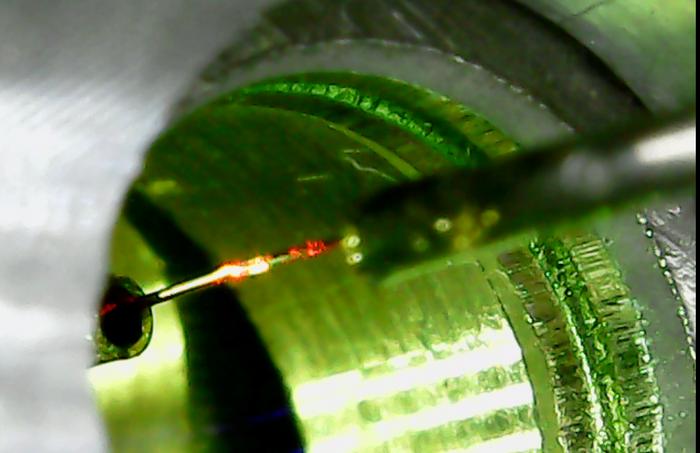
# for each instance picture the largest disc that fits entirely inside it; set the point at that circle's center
(425, 419)
(255, 266)
(331, 394)
(676, 147)
(433, 417)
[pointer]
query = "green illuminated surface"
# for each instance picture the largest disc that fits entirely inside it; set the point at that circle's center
(144, 399)
(442, 359)
(594, 344)
(613, 338)
(460, 135)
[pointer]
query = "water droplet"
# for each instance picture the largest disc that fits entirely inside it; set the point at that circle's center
(355, 258)
(351, 241)
(682, 414)
(649, 233)
(642, 219)
(442, 225)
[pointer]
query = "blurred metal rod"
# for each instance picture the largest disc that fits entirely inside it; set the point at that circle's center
(562, 184)
(535, 190)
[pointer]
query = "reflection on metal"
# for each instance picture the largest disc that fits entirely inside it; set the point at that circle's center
(672, 233)
(475, 384)
(59, 213)
(658, 64)
(431, 363)
(333, 393)
(676, 146)
(494, 404)
(235, 272)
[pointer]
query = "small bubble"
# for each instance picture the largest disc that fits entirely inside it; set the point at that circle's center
(355, 258)
(442, 225)
(663, 263)
(682, 414)
(649, 233)
(352, 241)
(642, 219)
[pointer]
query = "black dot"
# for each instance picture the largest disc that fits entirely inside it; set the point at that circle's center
(123, 326)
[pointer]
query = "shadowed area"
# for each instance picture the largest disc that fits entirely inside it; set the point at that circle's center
(237, 397)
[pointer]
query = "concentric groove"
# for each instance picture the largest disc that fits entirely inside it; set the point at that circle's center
(449, 128)
(616, 340)
(576, 404)
(574, 278)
